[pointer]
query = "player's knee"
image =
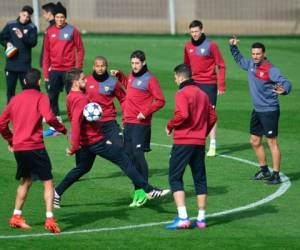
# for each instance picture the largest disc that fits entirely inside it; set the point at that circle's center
(272, 142)
(255, 141)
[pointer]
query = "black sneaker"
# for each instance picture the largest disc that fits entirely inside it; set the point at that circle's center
(273, 180)
(261, 175)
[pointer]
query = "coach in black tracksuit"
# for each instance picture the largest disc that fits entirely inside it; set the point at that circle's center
(22, 34)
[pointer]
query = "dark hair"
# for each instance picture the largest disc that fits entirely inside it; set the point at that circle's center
(138, 54)
(60, 9)
(28, 9)
(184, 70)
(258, 45)
(31, 79)
(49, 7)
(72, 75)
(196, 23)
(101, 58)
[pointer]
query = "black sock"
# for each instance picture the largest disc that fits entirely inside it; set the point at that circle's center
(264, 168)
(276, 173)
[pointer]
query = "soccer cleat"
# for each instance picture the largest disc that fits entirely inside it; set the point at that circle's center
(135, 197)
(273, 180)
(51, 225)
(261, 175)
(139, 198)
(17, 221)
(211, 152)
(179, 223)
(51, 132)
(56, 200)
(201, 224)
(157, 193)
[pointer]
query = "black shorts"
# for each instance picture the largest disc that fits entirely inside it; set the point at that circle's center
(34, 164)
(211, 90)
(181, 156)
(137, 137)
(112, 132)
(264, 123)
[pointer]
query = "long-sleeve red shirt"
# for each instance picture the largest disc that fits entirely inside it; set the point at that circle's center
(63, 49)
(203, 60)
(25, 111)
(143, 95)
(194, 116)
(82, 131)
(104, 94)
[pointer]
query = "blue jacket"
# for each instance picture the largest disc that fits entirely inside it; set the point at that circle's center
(22, 61)
(262, 79)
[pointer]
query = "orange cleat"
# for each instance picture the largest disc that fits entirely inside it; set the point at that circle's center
(51, 225)
(17, 221)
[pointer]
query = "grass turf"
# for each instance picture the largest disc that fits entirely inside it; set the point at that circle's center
(100, 199)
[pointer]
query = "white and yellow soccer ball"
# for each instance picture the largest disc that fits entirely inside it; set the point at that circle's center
(92, 112)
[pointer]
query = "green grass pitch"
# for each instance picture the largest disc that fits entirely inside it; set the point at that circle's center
(100, 199)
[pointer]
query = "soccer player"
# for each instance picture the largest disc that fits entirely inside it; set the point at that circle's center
(103, 89)
(22, 34)
(143, 98)
(87, 142)
(193, 119)
(203, 56)
(25, 112)
(63, 50)
(266, 83)
(48, 14)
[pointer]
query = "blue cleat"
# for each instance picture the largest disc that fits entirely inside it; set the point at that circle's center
(179, 223)
(50, 132)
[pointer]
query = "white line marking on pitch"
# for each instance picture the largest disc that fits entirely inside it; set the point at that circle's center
(280, 191)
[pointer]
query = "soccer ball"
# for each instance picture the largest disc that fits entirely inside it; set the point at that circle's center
(92, 112)
(11, 51)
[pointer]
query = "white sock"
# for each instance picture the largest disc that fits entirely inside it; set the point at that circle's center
(49, 214)
(17, 212)
(213, 143)
(201, 215)
(182, 214)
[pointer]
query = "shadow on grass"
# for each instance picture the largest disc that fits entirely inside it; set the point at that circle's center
(294, 176)
(232, 148)
(76, 220)
(258, 211)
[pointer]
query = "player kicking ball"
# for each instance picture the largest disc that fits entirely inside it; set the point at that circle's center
(25, 112)
(87, 142)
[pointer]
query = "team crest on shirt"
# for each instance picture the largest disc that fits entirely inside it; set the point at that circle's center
(202, 50)
(191, 50)
(53, 35)
(25, 31)
(261, 74)
(92, 86)
(139, 82)
(106, 88)
(66, 35)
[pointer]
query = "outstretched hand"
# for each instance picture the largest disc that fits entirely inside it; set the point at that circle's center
(233, 40)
